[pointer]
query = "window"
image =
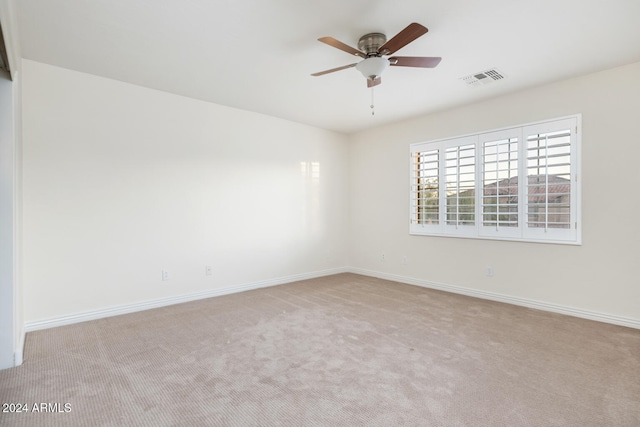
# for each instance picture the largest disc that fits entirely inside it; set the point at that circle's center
(460, 162)
(473, 186)
(426, 188)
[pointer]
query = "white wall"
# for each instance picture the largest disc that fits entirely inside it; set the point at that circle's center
(121, 182)
(7, 222)
(601, 276)
(11, 301)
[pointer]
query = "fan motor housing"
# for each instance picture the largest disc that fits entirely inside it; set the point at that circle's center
(370, 43)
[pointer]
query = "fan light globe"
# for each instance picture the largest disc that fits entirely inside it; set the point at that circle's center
(372, 67)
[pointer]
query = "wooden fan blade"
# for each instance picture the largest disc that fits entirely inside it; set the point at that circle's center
(403, 38)
(344, 47)
(415, 61)
(376, 82)
(344, 67)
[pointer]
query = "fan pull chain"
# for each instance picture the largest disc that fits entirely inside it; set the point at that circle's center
(373, 111)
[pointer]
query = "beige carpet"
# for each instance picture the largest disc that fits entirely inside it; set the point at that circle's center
(345, 350)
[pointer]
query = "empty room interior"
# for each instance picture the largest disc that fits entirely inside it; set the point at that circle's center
(319, 213)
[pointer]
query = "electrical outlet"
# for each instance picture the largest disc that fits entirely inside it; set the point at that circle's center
(489, 271)
(208, 270)
(382, 258)
(165, 275)
(405, 260)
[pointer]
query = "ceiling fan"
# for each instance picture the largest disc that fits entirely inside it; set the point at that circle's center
(373, 47)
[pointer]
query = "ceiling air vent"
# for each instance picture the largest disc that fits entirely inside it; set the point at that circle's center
(483, 78)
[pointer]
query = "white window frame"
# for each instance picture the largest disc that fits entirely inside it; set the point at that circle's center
(521, 232)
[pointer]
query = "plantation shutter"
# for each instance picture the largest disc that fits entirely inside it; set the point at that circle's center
(443, 185)
(460, 183)
(425, 189)
(500, 201)
(518, 183)
(551, 185)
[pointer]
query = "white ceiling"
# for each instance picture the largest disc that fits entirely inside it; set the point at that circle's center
(258, 54)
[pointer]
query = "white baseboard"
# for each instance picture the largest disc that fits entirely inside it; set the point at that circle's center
(493, 296)
(162, 302)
